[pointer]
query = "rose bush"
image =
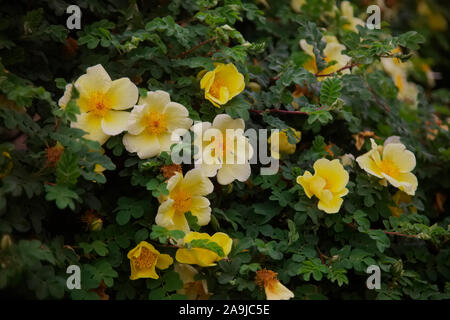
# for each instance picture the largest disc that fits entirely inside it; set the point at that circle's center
(90, 119)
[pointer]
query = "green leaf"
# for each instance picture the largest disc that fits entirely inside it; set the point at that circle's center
(330, 91)
(63, 196)
(206, 244)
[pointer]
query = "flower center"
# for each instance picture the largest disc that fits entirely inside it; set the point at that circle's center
(99, 104)
(182, 201)
(215, 88)
(389, 168)
(265, 278)
(156, 123)
(146, 259)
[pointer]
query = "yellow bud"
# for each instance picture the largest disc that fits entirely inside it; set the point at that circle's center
(254, 86)
(6, 242)
(96, 225)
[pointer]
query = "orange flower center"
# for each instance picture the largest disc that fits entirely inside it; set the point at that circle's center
(266, 278)
(389, 167)
(99, 103)
(182, 201)
(215, 87)
(146, 259)
(156, 123)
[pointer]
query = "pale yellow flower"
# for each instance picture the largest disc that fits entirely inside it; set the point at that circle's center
(193, 289)
(222, 84)
(398, 70)
(144, 258)
(297, 5)
(392, 163)
(332, 52)
(347, 14)
(279, 143)
(185, 194)
(223, 149)
(327, 184)
(347, 160)
(202, 256)
(102, 102)
(273, 288)
(152, 124)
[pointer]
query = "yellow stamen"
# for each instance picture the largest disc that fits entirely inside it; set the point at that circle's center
(156, 123)
(145, 260)
(182, 201)
(215, 87)
(98, 103)
(389, 167)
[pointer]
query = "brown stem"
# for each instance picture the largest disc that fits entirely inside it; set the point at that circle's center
(389, 232)
(184, 54)
(385, 107)
(278, 111)
(337, 71)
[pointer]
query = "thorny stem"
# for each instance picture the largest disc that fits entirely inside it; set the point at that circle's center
(184, 54)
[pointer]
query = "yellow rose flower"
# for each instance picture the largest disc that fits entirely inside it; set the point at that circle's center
(332, 52)
(393, 163)
(347, 14)
(102, 102)
(268, 280)
(185, 194)
(144, 258)
(401, 198)
(222, 84)
(152, 123)
(327, 184)
(223, 149)
(193, 289)
(279, 141)
(202, 256)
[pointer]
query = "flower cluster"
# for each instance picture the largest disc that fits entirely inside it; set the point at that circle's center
(391, 163)
(155, 123)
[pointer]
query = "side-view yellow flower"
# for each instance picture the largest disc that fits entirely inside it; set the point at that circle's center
(222, 84)
(193, 289)
(401, 199)
(102, 102)
(327, 184)
(392, 163)
(279, 143)
(268, 280)
(332, 52)
(223, 149)
(202, 256)
(347, 14)
(144, 258)
(185, 194)
(152, 123)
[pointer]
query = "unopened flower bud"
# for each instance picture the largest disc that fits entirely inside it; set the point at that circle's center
(6, 242)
